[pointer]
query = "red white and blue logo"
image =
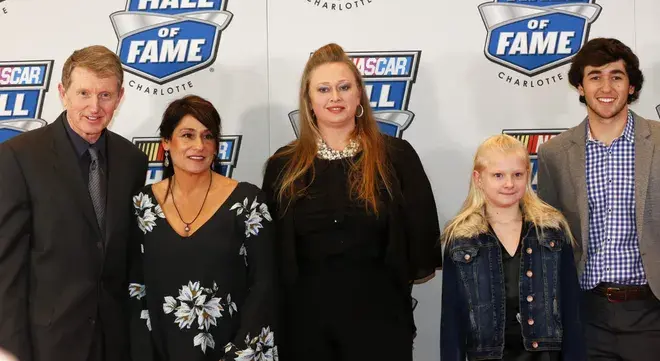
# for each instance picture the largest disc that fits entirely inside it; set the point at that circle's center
(162, 40)
(533, 36)
(388, 78)
(23, 86)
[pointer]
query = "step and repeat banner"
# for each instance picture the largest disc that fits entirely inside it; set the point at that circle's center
(443, 75)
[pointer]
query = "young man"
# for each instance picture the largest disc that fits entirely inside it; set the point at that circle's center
(65, 220)
(604, 175)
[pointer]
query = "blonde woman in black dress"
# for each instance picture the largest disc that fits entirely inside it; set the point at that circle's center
(356, 223)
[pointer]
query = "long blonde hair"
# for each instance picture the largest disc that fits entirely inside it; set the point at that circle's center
(471, 219)
(370, 170)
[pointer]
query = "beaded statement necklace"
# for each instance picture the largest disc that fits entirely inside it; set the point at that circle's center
(325, 152)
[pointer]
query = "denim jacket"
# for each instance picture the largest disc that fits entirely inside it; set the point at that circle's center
(474, 298)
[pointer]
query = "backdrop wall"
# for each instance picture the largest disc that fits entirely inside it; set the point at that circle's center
(442, 74)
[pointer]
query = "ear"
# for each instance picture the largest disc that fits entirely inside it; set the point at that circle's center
(165, 143)
(121, 95)
(476, 178)
(631, 89)
(581, 89)
(62, 92)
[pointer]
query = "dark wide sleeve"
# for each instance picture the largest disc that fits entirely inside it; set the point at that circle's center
(269, 185)
(15, 219)
(256, 336)
(420, 216)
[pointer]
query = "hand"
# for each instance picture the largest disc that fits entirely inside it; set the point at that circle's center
(6, 356)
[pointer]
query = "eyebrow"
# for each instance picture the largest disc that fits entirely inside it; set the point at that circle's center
(615, 71)
(339, 82)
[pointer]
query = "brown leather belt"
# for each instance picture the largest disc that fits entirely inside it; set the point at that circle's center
(622, 293)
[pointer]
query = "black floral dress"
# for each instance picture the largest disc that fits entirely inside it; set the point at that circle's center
(208, 296)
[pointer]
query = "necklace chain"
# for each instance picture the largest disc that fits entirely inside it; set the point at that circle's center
(325, 152)
(187, 224)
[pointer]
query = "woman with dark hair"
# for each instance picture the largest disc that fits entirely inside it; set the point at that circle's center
(202, 273)
(356, 220)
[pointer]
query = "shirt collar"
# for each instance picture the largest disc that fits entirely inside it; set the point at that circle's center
(80, 145)
(628, 132)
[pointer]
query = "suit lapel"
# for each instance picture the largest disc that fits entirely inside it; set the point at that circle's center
(65, 164)
(576, 166)
(643, 157)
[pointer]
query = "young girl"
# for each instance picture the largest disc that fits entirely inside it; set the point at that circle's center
(510, 289)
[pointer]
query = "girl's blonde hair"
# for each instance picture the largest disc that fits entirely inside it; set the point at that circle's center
(471, 219)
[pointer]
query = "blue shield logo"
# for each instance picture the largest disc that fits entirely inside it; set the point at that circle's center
(388, 78)
(23, 86)
(162, 40)
(531, 37)
(228, 148)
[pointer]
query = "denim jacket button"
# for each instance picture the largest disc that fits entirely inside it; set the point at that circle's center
(530, 322)
(467, 257)
(529, 273)
(529, 251)
(535, 344)
(530, 298)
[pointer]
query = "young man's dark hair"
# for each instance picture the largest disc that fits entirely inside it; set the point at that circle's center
(601, 51)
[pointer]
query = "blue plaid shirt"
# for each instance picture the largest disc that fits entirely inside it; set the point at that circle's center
(613, 249)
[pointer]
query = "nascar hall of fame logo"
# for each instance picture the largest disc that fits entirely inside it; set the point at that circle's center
(532, 37)
(163, 40)
(532, 139)
(23, 86)
(339, 5)
(388, 77)
(228, 148)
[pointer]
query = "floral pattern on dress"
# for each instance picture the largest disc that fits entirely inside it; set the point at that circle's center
(144, 315)
(146, 212)
(260, 348)
(198, 304)
(254, 215)
(138, 290)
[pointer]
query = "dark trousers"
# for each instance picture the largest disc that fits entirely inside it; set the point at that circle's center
(349, 321)
(622, 331)
(96, 352)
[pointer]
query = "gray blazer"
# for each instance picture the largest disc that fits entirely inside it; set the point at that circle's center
(562, 184)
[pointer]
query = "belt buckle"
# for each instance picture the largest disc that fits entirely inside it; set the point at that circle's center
(609, 291)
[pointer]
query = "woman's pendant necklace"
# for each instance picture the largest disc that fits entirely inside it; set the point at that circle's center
(186, 227)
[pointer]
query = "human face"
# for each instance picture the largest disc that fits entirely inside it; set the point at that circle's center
(606, 89)
(90, 102)
(503, 180)
(334, 95)
(192, 147)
